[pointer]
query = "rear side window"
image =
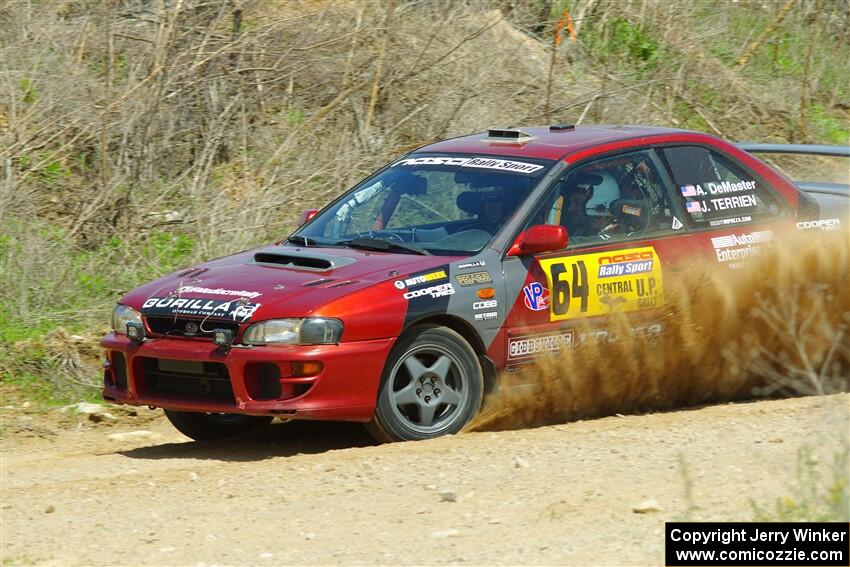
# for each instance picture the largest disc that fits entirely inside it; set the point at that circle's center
(716, 192)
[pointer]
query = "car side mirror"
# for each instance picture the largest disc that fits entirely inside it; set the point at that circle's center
(539, 238)
(307, 215)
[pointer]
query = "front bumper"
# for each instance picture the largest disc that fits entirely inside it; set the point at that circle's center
(192, 375)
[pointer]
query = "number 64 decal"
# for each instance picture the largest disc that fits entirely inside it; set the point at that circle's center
(603, 282)
(563, 293)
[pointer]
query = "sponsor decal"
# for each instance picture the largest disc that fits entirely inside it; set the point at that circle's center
(648, 332)
(217, 291)
(525, 347)
(419, 280)
(489, 304)
(535, 296)
(624, 264)
(476, 162)
(436, 291)
(239, 310)
(730, 220)
(677, 224)
(822, 224)
(474, 278)
(468, 265)
(486, 316)
(630, 210)
(735, 247)
(603, 282)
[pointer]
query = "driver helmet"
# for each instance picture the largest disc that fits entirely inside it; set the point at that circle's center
(604, 194)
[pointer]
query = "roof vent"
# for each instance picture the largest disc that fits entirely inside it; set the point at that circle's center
(561, 127)
(508, 135)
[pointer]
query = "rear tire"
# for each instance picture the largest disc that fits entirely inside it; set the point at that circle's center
(214, 426)
(432, 385)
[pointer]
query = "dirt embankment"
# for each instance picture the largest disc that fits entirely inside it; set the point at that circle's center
(74, 492)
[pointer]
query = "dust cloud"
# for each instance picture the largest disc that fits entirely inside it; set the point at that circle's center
(777, 326)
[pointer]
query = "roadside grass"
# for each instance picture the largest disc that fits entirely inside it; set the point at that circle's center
(816, 496)
(51, 318)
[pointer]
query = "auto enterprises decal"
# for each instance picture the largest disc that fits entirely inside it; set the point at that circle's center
(239, 310)
(602, 283)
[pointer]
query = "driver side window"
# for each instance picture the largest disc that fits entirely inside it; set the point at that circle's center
(611, 199)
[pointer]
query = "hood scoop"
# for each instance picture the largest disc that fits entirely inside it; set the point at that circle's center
(299, 259)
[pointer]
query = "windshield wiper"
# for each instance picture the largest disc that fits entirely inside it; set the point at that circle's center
(302, 240)
(381, 245)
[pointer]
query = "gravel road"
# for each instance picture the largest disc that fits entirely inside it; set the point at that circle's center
(76, 492)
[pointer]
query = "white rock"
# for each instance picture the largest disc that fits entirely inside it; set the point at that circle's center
(85, 408)
(443, 534)
(447, 495)
(647, 507)
(521, 463)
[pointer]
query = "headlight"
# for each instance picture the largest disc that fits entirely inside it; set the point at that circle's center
(313, 331)
(122, 315)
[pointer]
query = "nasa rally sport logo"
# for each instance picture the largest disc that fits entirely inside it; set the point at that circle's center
(535, 296)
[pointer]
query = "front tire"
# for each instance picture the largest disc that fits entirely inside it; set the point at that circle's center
(432, 385)
(214, 426)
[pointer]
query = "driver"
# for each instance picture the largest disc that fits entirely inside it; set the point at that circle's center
(494, 211)
(578, 193)
(589, 197)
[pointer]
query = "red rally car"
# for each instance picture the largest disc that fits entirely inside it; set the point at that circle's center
(402, 302)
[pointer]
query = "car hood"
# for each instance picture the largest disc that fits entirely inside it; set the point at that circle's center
(273, 281)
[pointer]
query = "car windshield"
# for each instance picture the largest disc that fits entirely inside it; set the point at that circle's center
(434, 203)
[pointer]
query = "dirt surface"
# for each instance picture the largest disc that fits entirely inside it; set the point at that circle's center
(324, 494)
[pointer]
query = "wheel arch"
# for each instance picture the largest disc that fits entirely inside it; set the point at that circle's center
(468, 332)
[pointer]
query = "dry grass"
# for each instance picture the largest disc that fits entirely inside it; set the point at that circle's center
(140, 137)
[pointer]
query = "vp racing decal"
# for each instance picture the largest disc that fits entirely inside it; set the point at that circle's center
(535, 296)
(604, 282)
(239, 310)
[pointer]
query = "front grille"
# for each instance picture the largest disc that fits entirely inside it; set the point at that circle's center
(189, 380)
(185, 327)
